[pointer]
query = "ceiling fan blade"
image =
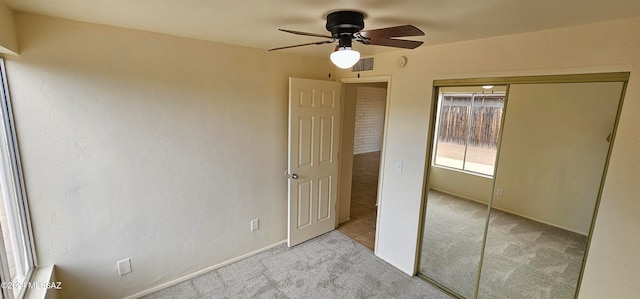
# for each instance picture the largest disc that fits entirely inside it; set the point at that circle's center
(396, 43)
(397, 31)
(305, 33)
(300, 45)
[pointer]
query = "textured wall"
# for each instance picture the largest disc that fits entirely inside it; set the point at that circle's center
(150, 147)
(370, 108)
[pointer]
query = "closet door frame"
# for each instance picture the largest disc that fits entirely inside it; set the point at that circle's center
(622, 77)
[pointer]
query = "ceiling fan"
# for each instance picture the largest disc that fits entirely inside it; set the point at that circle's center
(346, 26)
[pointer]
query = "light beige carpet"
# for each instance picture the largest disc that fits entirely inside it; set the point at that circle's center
(329, 266)
(523, 258)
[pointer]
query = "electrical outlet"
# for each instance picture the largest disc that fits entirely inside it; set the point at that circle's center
(124, 266)
(255, 224)
(499, 192)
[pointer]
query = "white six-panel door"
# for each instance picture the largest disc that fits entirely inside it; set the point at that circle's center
(314, 134)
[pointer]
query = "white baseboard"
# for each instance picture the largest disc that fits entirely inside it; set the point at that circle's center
(203, 271)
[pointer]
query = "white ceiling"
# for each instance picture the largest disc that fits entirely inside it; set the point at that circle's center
(254, 23)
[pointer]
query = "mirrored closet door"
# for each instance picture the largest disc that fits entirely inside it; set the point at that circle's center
(510, 208)
(461, 177)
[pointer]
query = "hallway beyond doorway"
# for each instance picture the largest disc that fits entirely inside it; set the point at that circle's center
(364, 189)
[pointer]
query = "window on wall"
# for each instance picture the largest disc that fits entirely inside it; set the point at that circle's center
(468, 128)
(16, 249)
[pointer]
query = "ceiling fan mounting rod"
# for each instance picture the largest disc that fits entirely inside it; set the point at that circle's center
(344, 41)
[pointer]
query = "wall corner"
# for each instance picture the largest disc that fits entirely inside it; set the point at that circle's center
(8, 37)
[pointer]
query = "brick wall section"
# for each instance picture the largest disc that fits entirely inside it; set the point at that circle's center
(370, 107)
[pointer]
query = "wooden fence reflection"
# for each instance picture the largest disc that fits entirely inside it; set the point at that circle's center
(482, 129)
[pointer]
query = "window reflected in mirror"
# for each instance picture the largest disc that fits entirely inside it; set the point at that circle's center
(468, 126)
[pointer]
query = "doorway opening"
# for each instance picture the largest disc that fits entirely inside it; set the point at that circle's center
(364, 114)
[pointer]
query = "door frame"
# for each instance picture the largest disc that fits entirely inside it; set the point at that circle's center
(340, 200)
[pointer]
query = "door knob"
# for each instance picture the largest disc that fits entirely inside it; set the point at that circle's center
(290, 175)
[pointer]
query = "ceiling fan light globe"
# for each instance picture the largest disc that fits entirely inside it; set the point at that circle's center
(345, 58)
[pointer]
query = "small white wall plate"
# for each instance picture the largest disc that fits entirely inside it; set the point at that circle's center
(402, 61)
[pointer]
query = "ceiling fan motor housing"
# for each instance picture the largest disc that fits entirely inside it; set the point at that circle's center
(344, 22)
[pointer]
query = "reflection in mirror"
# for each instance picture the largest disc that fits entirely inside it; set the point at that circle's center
(468, 123)
(552, 157)
(452, 242)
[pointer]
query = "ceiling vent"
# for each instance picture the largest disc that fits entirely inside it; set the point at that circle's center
(364, 64)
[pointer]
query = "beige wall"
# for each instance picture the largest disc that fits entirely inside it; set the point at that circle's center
(611, 46)
(461, 184)
(553, 151)
(8, 40)
(150, 147)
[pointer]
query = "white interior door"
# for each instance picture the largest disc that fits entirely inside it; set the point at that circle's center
(314, 134)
